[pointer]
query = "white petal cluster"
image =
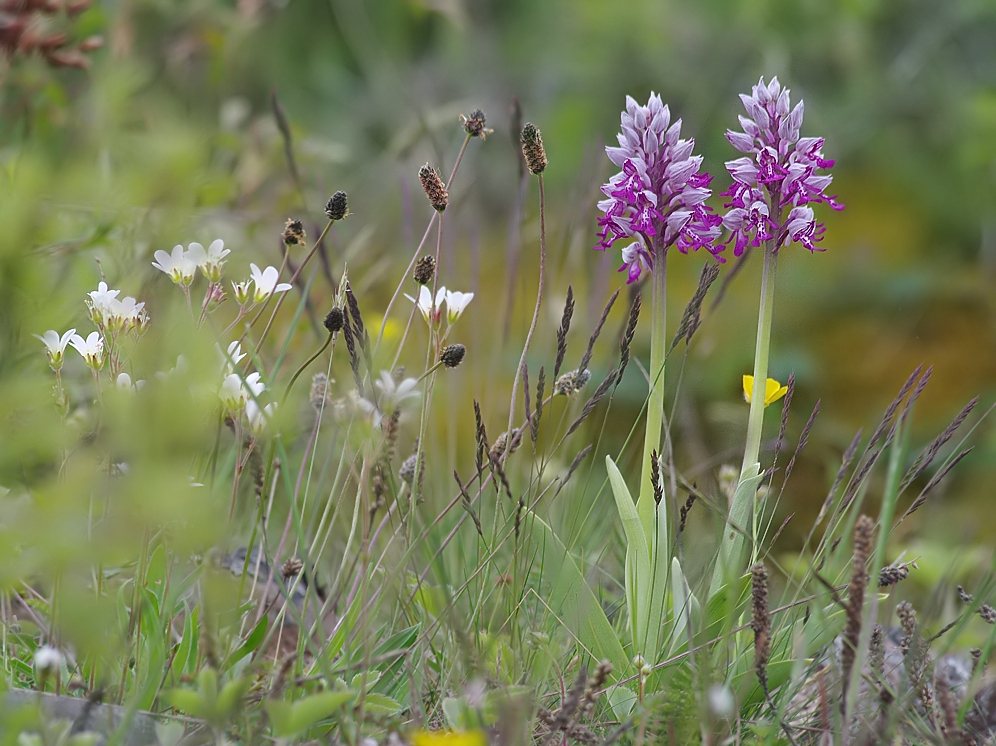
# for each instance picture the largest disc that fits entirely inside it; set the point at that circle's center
(56, 346)
(431, 308)
(91, 348)
(266, 283)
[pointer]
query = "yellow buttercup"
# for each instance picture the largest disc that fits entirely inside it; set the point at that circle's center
(773, 391)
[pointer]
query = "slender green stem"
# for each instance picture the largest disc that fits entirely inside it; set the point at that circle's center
(645, 504)
(756, 417)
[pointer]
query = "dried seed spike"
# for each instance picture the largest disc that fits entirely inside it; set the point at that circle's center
(535, 422)
(934, 481)
(465, 499)
(586, 359)
(761, 623)
(532, 149)
(786, 406)
(482, 437)
(573, 467)
(565, 325)
(691, 318)
(519, 509)
(594, 687)
(803, 440)
(354, 358)
(928, 454)
(433, 187)
(627, 337)
(589, 406)
(354, 314)
(845, 462)
(876, 654)
(891, 409)
(685, 510)
(907, 620)
(655, 476)
(526, 396)
(863, 529)
(319, 396)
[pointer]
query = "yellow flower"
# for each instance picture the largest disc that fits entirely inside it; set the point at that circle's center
(449, 738)
(773, 391)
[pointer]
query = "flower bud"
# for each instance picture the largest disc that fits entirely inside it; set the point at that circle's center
(337, 208)
(452, 355)
(434, 188)
(241, 292)
(424, 270)
(532, 148)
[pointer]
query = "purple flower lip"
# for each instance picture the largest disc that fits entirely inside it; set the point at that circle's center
(780, 175)
(657, 199)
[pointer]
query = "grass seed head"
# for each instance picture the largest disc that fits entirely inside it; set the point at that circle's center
(337, 207)
(532, 149)
(433, 187)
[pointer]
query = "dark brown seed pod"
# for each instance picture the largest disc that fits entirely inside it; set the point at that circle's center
(532, 149)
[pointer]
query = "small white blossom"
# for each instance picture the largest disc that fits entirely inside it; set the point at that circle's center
(212, 260)
(101, 303)
(124, 383)
(455, 303)
(721, 701)
(241, 292)
(178, 265)
(232, 358)
(393, 394)
(266, 283)
(425, 304)
(56, 346)
(126, 314)
(48, 658)
(91, 348)
(258, 417)
(234, 393)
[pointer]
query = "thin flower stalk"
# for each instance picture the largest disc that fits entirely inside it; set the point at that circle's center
(769, 207)
(531, 142)
(418, 249)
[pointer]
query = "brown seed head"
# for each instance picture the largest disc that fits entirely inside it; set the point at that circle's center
(319, 395)
(474, 124)
(452, 355)
(337, 207)
(291, 568)
(334, 320)
(532, 149)
(425, 267)
(761, 622)
(433, 187)
(572, 382)
(293, 232)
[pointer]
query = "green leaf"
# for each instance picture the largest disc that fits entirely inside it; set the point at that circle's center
(380, 704)
(252, 642)
(187, 701)
(289, 719)
(575, 605)
(730, 563)
(637, 559)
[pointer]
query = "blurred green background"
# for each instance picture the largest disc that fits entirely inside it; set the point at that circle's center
(170, 137)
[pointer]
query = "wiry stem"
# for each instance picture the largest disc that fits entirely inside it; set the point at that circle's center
(536, 311)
